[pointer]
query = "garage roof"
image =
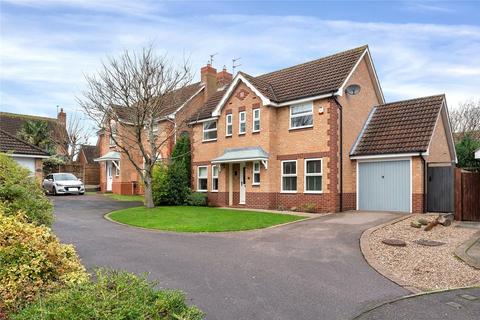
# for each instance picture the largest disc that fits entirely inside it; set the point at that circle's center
(10, 143)
(399, 127)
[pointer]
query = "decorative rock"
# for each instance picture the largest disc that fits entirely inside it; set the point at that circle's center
(395, 242)
(415, 224)
(422, 221)
(445, 219)
(429, 243)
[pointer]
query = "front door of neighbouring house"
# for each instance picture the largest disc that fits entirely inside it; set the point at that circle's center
(109, 175)
(243, 183)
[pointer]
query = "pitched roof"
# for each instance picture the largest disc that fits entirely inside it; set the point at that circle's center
(321, 76)
(10, 143)
(90, 152)
(172, 101)
(400, 127)
(12, 123)
(207, 109)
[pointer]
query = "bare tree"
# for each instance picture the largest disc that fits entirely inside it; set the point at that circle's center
(76, 133)
(466, 119)
(128, 98)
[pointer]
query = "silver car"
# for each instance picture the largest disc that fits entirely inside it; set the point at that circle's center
(63, 183)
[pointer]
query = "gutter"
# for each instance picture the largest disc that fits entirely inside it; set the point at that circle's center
(425, 176)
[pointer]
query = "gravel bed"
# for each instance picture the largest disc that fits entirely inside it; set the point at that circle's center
(426, 268)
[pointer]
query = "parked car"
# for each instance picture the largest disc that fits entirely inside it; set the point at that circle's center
(63, 183)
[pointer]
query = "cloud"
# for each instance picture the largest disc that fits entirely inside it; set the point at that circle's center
(44, 57)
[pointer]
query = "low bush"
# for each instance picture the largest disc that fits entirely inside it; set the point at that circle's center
(32, 262)
(308, 207)
(160, 185)
(19, 191)
(197, 199)
(114, 295)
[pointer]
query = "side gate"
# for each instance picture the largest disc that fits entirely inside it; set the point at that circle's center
(440, 189)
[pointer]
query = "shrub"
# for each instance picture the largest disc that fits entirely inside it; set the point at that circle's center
(197, 199)
(19, 191)
(466, 152)
(114, 295)
(178, 184)
(32, 262)
(308, 207)
(160, 185)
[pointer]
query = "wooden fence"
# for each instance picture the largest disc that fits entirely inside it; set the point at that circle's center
(467, 195)
(89, 173)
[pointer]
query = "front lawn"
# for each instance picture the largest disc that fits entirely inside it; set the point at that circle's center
(199, 219)
(121, 197)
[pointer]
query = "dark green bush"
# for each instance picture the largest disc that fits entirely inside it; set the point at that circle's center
(114, 295)
(197, 199)
(466, 152)
(19, 191)
(160, 185)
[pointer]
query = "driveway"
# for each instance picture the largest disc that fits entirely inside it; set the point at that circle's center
(308, 270)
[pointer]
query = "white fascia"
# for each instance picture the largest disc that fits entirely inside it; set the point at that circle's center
(27, 156)
(386, 156)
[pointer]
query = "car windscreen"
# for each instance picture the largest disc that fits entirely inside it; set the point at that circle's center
(65, 176)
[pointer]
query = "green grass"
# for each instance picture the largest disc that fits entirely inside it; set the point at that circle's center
(199, 219)
(121, 197)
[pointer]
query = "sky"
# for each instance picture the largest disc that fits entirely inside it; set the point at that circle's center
(419, 48)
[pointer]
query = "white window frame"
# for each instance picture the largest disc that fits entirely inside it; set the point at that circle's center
(288, 175)
(254, 172)
(254, 119)
(229, 123)
(240, 122)
(113, 133)
(198, 179)
(312, 175)
(215, 177)
(209, 130)
(300, 115)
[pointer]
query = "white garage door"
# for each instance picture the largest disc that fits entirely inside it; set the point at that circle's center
(28, 163)
(384, 185)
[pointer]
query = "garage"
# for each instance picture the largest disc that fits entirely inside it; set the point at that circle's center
(384, 185)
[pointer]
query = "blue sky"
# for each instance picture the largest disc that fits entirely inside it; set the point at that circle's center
(419, 47)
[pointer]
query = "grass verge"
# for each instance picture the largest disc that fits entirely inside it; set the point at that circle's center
(121, 197)
(199, 219)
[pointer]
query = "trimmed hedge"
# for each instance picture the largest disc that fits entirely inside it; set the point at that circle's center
(114, 295)
(32, 262)
(19, 191)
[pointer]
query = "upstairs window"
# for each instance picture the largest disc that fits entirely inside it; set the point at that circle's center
(313, 175)
(229, 125)
(289, 176)
(242, 122)
(113, 134)
(301, 115)
(256, 120)
(210, 130)
(202, 178)
(256, 173)
(214, 178)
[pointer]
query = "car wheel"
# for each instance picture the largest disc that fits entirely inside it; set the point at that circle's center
(54, 191)
(81, 193)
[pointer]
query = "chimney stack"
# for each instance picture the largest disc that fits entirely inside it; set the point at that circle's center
(223, 77)
(209, 79)
(62, 117)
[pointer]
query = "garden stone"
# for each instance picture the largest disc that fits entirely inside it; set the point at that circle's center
(429, 243)
(422, 221)
(395, 242)
(415, 224)
(445, 219)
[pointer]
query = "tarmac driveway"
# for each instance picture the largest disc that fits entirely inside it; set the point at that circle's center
(308, 270)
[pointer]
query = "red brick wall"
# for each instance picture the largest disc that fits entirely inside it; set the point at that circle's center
(417, 203)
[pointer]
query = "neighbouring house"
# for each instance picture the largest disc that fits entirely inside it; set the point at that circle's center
(12, 123)
(117, 174)
(87, 166)
(27, 155)
(319, 136)
(87, 154)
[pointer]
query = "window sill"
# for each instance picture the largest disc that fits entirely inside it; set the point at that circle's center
(255, 184)
(313, 192)
(242, 134)
(229, 136)
(291, 192)
(214, 191)
(256, 132)
(203, 191)
(301, 128)
(207, 141)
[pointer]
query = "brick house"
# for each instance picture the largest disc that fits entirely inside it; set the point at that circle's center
(298, 137)
(117, 174)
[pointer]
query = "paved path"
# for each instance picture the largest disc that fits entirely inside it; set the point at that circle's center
(307, 270)
(462, 304)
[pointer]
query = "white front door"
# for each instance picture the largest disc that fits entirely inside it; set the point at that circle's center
(109, 176)
(243, 183)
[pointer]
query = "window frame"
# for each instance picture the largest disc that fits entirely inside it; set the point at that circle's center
(305, 174)
(254, 119)
(240, 122)
(209, 130)
(288, 175)
(214, 177)
(113, 133)
(300, 115)
(229, 124)
(254, 172)
(198, 179)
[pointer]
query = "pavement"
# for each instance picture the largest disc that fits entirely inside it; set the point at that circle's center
(312, 269)
(461, 304)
